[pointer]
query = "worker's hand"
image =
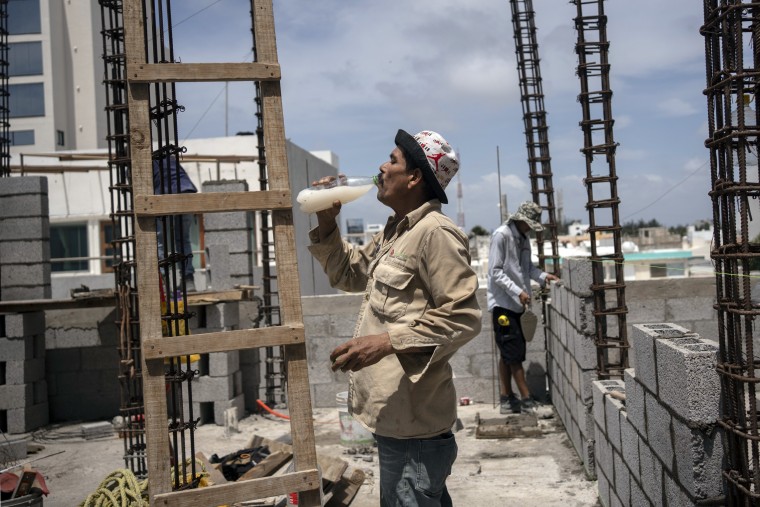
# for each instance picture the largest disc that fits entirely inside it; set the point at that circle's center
(327, 219)
(524, 298)
(550, 277)
(361, 352)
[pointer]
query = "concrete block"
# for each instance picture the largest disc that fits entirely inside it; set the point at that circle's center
(635, 401)
(615, 500)
(585, 351)
(707, 329)
(235, 241)
(209, 389)
(638, 498)
(241, 265)
(690, 307)
(62, 360)
(225, 186)
(674, 495)
(651, 474)
(622, 479)
(629, 438)
(643, 338)
(25, 293)
(40, 392)
(603, 453)
(227, 221)
(237, 403)
(588, 458)
(26, 275)
(579, 275)
(584, 314)
(76, 337)
(16, 349)
(659, 431)
(218, 267)
(599, 391)
(612, 411)
(688, 381)
(24, 205)
(18, 325)
(24, 372)
(223, 316)
(24, 420)
(25, 228)
(221, 364)
(23, 185)
(24, 252)
(587, 379)
(603, 485)
(16, 396)
(699, 460)
(100, 358)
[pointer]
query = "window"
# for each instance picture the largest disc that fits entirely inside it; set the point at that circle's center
(68, 242)
(59, 138)
(22, 137)
(25, 59)
(106, 249)
(658, 271)
(23, 16)
(26, 100)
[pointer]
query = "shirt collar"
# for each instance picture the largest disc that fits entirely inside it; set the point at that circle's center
(408, 221)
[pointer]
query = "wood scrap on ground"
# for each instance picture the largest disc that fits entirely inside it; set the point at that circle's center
(340, 481)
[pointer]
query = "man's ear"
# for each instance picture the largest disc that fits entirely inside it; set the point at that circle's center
(415, 178)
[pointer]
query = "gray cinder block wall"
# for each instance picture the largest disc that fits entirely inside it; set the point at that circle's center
(330, 321)
(662, 445)
(24, 274)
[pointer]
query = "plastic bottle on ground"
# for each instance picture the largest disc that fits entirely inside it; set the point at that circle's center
(342, 189)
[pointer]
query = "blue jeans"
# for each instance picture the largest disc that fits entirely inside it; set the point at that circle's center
(413, 471)
(184, 246)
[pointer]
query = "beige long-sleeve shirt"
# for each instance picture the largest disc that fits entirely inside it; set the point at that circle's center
(419, 288)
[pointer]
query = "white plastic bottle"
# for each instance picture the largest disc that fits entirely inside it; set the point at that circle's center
(342, 189)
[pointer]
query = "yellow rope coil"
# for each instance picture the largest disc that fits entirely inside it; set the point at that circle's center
(119, 489)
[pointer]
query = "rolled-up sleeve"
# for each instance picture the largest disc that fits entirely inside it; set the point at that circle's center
(344, 264)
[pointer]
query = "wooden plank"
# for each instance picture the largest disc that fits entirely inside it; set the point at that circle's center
(214, 473)
(211, 202)
(343, 492)
(298, 391)
(231, 492)
(140, 145)
(265, 467)
(203, 72)
(223, 341)
(332, 467)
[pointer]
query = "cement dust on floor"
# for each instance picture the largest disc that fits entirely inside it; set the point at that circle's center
(542, 471)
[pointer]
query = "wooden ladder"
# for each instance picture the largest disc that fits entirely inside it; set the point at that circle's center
(305, 479)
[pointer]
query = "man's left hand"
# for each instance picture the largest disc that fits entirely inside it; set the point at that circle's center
(361, 352)
(550, 277)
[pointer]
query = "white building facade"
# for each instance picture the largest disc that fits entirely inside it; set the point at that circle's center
(57, 98)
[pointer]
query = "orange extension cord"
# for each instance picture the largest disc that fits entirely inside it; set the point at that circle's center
(273, 412)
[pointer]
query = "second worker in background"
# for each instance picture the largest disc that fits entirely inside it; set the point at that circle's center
(510, 271)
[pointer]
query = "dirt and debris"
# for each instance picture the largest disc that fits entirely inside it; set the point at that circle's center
(529, 471)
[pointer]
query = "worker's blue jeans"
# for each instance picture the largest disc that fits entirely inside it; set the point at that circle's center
(413, 471)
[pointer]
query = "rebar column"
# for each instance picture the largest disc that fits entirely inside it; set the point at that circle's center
(5, 134)
(732, 59)
(536, 129)
(122, 238)
(608, 286)
(163, 113)
(274, 374)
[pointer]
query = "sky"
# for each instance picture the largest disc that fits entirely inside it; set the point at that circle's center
(355, 72)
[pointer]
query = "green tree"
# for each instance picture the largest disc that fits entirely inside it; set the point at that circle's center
(479, 231)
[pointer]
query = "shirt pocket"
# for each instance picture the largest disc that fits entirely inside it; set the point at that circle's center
(391, 293)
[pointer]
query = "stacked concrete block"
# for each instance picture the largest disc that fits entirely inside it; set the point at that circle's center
(24, 239)
(227, 379)
(662, 441)
(329, 321)
(571, 357)
(23, 388)
(82, 364)
(235, 231)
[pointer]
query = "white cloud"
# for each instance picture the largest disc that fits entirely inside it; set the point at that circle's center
(675, 106)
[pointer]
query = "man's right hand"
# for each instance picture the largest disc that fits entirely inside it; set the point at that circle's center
(524, 298)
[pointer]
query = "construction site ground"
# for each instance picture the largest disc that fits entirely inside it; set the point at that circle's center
(537, 471)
